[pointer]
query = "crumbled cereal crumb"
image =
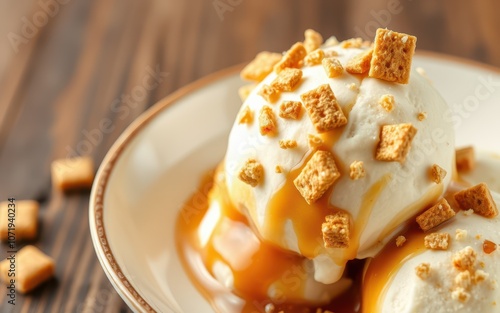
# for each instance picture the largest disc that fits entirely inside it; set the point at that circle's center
(245, 116)
(261, 66)
(313, 40)
(267, 122)
(251, 172)
(395, 142)
(314, 57)
(477, 198)
(278, 169)
(465, 159)
(287, 79)
(357, 170)
(463, 280)
(465, 259)
(290, 110)
(317, 176)
(336, 230)
(392, 56)
(332, 41)
(269, 93)
(437, 174)
(287, 144)
(423, 270)
(323, 109)
(435, 215)
(353, 87)
(244, 91)
(314, 141)
(468, 212)
(437, 241)
(460, 294)
(352, 43)
(387, 102)
(332, 67)
(421, 116)
(460, 234)
(292, 58)
(360, 63)
(400, 241)
(480, 276)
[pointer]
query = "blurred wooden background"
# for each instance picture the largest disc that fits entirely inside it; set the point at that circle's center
(65, 65)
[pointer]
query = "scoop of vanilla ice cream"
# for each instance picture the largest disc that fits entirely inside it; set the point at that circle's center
(440, 292)
(390, 192)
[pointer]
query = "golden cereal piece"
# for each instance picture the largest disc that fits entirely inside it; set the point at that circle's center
(278, 169)
(336, 230)
(387, 102)
(267, 121)
(435, 215)
(465, 259)
(261, 66)
(465, 159)
(317, 176)
(437, 241)
(244, 91)
(395, 142)
(392, 56)
(245, 116)
(33, 267)
(269, 93)
(323, 109)
(423, 270)
(333, 67)
(292, 58)
(314, 57)
(360, 64)
(437, 173)
(477, 198)
(400, 241)
(422, 116)
(290, 110)
(287, 144)
(251, 172)
(24, 217)
(314, 141)
(357, 170)
(287, 79)
(352, 43)
(74, 173)
(313, 40)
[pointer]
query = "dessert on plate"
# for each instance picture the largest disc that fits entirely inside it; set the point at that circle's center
(339, 153)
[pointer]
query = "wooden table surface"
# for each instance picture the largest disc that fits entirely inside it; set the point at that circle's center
(66, 65)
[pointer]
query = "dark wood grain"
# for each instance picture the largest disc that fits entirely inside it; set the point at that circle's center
(83, 64)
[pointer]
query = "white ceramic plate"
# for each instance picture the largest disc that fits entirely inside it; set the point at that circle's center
(157, 163)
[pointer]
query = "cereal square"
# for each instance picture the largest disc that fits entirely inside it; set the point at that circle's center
(357, 170)
(392, 56)
(437, 174)
(395, 142)
(269, 93)
(435, 215)
(332, 67)
(478, 198)
(317, 176)
(313, 40)
(437, 241)
(261, 66)
(360, 64)
(287, 79)
(267, 121)
(290, 110)
(314, 57)
(33, 267)
(336, 230)
(323, 109)
(292, 58)
(25, 215)
(465, 159)
(251, 172)
(74, 173)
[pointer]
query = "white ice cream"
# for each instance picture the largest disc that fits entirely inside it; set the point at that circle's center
(408, 293)
(407, 187)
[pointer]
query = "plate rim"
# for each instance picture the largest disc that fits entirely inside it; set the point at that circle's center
(96, 202)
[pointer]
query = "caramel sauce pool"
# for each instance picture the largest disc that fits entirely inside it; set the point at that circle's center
(269, 264)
